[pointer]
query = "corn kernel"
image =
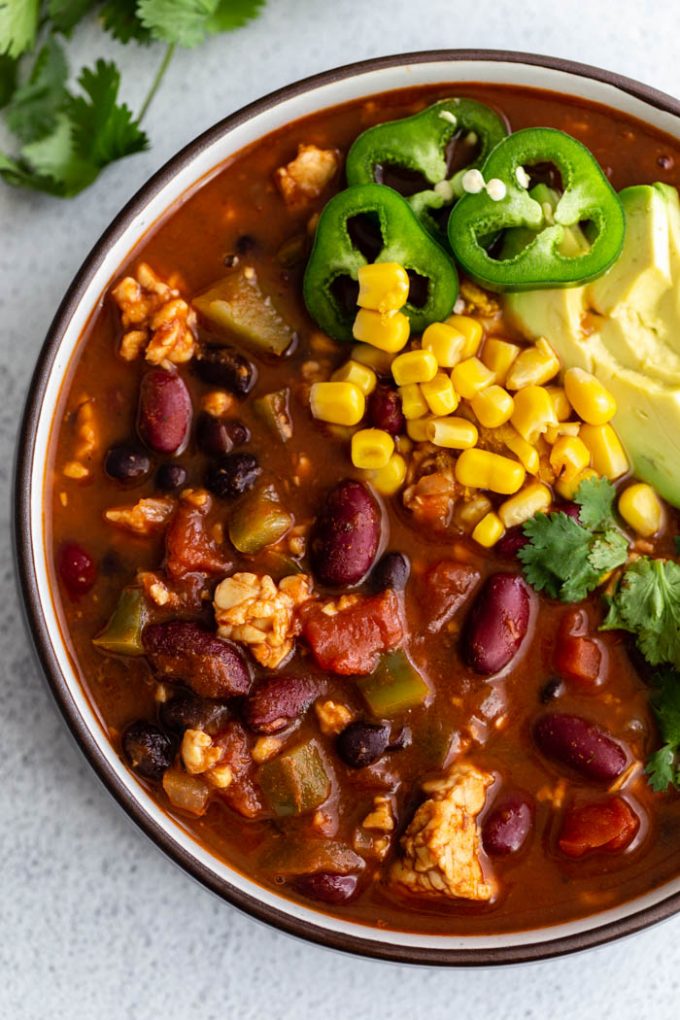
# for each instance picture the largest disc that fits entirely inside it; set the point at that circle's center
(471, 376)
(445, 342)
(533, 412)
(361, 375)
(526, 454)
(416, 429)
(589, 398)
(533, 366)
(498, 355)
(471, 330)
(640, 507)
(414, 367)
(569, 456)
(493, 406)
(489, 530)
(563, 428)
(388, 332)
(606, 452)
(389, 479)
(340, 403)
(560, 402)
(379, 361)
(567, 490)
(440, 395)
(413, 403)
(485, 470)
(452, 433)
(371, 449)
(532, 499)
(383, 286)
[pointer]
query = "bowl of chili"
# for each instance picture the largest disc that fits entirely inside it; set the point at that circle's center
(184, 524)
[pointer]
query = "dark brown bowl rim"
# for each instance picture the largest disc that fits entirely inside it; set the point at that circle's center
(249, 904)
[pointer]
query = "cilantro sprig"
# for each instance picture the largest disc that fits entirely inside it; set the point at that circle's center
(663, 766)
(567, 558)
(65, 136)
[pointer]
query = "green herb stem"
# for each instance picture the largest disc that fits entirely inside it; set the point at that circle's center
(158, 78)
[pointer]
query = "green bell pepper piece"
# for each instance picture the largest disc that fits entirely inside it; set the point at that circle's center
(123, 632)
(394, 687)
(274, 410)
(588, 198)
(334, 256)
(237, 306)
(419, 144)
(296, 781)
(257, 521)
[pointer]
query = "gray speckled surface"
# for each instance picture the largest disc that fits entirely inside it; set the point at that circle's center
(94, 921)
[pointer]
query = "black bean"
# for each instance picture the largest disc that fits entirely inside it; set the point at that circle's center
(237, 432)
(188, 712)
(233, 475)
(223, 366)
(147, 749)
(551, 690)
(391, 571)
(212, 435)
(126, 464)
(361, 743)
(171, 477)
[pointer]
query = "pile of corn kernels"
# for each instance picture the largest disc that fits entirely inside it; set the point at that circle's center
(456, 383)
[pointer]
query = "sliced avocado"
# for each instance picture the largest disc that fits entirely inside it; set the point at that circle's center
(625, 328)
(642, 272)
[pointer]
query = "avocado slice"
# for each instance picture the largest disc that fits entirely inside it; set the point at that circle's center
(625, 328)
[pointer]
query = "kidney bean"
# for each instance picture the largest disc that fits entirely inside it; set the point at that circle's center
(209, 665)
(165, 411)
(362, 743)
(232, 475)
(327, 887)
(277, 701)
(384, 410)
(223, 366)
(126, 464)
(497, 623)
(345, 536)
(574, 741)
(391, 571)
(171, 477)
(512, 541)
(187, 712)
(507, 826)
(608, 825)
(572, 510)
(148, 750)
(76, 568)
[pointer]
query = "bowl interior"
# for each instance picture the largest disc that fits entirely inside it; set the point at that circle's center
(181, 174)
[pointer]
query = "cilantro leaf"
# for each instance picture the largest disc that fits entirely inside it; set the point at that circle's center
(103, 129)
(647, 603)
(662, 766)
(65, 14)
(183, 22)
(230, 14)
(35, 104)
(608, 551)
(18, 26)
(595, 497)
(120, 18)
(8, 79)
(661, 769)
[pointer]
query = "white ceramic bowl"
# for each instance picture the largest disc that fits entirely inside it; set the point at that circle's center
(102, 264)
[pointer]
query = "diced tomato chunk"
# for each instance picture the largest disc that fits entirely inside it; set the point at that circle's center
(350, 641)
(444, 590)
(578, 657)
(608, 825)
(189, 547)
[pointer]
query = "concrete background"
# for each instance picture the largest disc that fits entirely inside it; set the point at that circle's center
(94, 922)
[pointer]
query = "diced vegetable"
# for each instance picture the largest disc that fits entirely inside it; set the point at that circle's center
(237, 305)
(188, 793)
(123, 632)
(273, 409)
(258, 521)
(296, 782)
(395, 686)
(304, 856)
